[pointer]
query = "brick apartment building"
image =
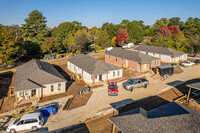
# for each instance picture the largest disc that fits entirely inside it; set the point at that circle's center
(133, 60)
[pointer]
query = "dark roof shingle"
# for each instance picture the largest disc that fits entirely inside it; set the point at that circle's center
(131, 55)
(169, 118)
(159, 50)
(35, 74)
(91, 65)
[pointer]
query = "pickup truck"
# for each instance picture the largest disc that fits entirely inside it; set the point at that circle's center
(135, 83)
(112, 88)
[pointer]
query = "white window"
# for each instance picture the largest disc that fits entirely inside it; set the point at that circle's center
(117, 73)
(153, 53)
(59, 86)
(21, 93)
(26, 92)
(52, 88)
(146, 52)
(113, 74)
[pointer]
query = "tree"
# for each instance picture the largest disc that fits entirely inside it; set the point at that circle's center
(35, 27)
(160, 23)
(9, 46)
(125, 21)
(81, 40)
(135, 32)
(176, 21)
(122, 37)
(103, 39)
(49, 45)
(113, 41)
(195, 43)
(191, 27)
(69, 42)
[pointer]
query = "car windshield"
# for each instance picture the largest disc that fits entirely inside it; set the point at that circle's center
(16, 121)
(130, 81)
(112, 87)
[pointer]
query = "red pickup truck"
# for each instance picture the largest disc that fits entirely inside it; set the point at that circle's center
(112, 88)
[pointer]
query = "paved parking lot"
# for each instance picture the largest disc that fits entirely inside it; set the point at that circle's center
(101, 102)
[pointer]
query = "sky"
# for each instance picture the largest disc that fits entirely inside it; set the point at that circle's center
(96, 12)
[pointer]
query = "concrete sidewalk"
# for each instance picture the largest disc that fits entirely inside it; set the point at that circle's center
(100, 102)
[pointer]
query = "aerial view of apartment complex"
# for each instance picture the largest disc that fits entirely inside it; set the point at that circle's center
(99, 66)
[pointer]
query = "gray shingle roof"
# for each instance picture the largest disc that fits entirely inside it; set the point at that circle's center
(131, 55)
(169, 118)
(92, 65)
(194, 85)
(35, 74)
(159, 50)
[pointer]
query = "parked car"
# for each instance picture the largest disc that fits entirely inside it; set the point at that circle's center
(129, 45)
(197, 61)
(187, 63)
(135, 83)
(112, 88)
(108, 48)
(28, 121)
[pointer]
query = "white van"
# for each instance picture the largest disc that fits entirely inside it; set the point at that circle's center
(28, 121)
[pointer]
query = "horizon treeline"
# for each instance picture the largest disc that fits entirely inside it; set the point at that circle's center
(33, 39)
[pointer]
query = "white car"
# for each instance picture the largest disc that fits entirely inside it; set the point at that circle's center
(28, 121)
(129, 45)
(187, 63)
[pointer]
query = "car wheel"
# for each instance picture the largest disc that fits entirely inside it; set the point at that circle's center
(145, 86)
(131, 89)
(34, 128)
(12, 131)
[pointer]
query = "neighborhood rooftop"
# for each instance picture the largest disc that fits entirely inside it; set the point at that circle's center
(169, 118)
(159, 50)
(34, 74)
(194, 85)
(92, 65)
(131, 55)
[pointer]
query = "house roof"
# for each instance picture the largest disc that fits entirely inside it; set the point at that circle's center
(91, 65)
(194, 85)
(131, 55)
(165, 67)
(159, 50)
(35, 74)
(170, 117)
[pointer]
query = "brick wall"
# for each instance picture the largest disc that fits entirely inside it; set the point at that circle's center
(153, 65)
(112, 60)
(133, 66)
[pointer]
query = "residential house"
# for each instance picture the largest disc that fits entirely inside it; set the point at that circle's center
(169, 118)
(38, 79)
(135, 61)
(93, 70)
(165, 54)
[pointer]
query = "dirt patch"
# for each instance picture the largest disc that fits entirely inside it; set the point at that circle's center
(52, 97)
(178, 70)
(24, 105)
(6, 102)
(80, 100)
(131, 74)
(99, 56)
